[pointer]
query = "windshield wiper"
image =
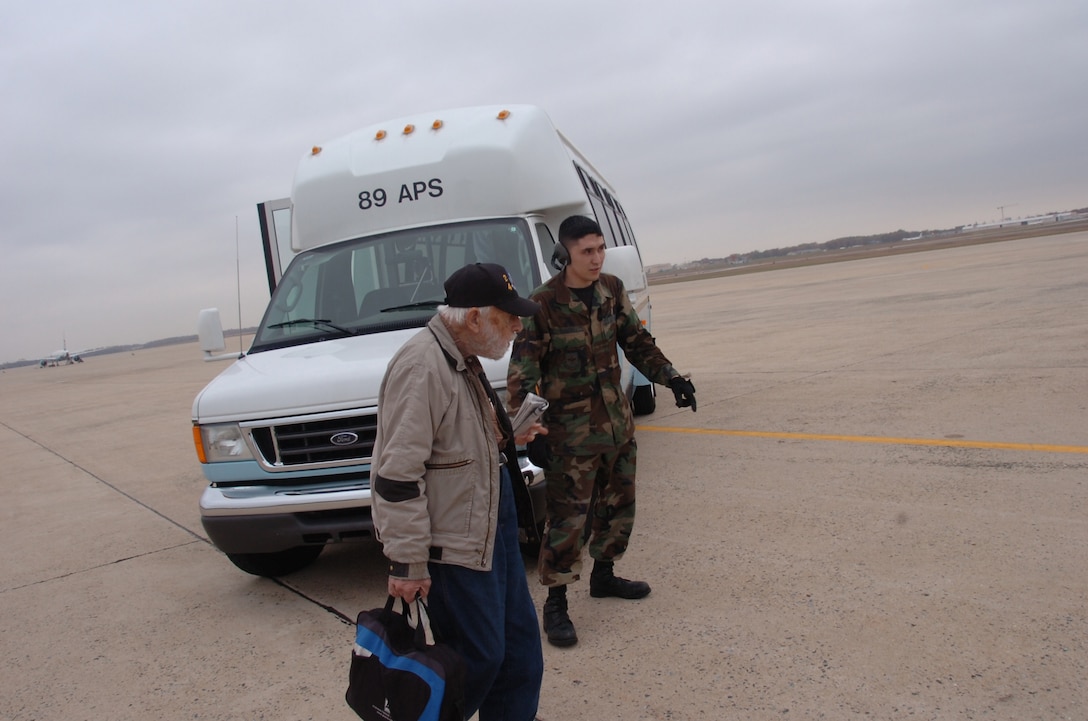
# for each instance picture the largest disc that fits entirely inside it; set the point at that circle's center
(323, 323)
(412, 306)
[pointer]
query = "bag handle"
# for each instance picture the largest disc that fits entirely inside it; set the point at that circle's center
(414, 613)
(421, 621)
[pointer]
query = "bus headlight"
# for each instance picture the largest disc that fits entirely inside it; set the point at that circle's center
(220, 442)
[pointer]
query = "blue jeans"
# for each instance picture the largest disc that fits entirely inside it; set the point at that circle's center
(489, 617)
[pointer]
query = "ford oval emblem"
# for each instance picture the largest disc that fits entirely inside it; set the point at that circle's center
(344, 439)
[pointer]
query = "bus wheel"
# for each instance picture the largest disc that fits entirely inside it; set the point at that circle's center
(279, 563)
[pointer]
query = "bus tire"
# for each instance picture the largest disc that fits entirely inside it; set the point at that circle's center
(279, 563)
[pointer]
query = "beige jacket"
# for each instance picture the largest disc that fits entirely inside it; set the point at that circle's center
(435, 474)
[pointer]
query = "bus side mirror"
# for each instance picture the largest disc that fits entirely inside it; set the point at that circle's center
(209, 329)
(624, 262)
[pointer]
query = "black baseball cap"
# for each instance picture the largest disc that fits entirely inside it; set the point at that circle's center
(483, 284)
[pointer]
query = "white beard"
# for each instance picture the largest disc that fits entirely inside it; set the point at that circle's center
(492, 343)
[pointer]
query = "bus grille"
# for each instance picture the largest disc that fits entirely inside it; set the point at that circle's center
(320, 442)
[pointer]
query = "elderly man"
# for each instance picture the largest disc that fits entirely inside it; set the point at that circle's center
(442, 497)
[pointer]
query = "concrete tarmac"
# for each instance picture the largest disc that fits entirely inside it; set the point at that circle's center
(877, 512)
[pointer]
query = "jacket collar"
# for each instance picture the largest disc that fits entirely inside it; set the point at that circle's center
(563, 294)
(446, 342)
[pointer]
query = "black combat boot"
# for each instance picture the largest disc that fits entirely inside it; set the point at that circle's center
(557, 624)
(603, 582)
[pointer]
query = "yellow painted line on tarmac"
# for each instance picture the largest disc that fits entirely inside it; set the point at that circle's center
(943, 442)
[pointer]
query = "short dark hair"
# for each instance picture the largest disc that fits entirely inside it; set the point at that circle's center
(577, 226)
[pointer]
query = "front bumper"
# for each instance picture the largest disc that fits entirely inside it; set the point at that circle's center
(263, 519)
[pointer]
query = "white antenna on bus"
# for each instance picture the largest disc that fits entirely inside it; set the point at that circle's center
(238, 280)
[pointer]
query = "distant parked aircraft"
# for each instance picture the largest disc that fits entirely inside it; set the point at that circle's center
(62, 357)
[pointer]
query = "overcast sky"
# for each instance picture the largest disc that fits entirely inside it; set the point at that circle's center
(138, 135)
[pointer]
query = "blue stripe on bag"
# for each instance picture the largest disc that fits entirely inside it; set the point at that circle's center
(375, 644)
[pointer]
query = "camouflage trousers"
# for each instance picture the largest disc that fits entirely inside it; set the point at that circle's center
(590, 498)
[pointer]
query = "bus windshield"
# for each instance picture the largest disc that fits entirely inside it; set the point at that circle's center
(388, 281)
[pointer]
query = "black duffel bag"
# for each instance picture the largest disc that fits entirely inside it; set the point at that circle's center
(399, 672)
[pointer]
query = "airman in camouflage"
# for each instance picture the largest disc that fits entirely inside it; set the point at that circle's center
(567, 353)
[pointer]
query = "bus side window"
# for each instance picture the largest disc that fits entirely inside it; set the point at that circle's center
(614, 214)
(600, 200)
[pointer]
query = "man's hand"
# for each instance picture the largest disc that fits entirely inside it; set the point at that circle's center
(409, 589)
(684, 390)
(537, 429)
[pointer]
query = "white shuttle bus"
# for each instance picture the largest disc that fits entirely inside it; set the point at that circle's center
(356, 260)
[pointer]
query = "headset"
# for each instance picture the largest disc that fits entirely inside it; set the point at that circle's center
(560, 257)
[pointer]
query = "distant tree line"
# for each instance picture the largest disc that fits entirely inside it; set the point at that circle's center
(836, 244)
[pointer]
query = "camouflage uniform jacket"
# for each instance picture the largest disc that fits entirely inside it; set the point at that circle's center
(567, 354)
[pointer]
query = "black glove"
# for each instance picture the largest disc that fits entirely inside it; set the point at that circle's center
(684, 390)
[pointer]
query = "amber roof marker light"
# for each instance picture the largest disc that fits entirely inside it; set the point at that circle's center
(315, 150)
(380, 135)
(503, 114)
(409, 129)
(437, 125)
